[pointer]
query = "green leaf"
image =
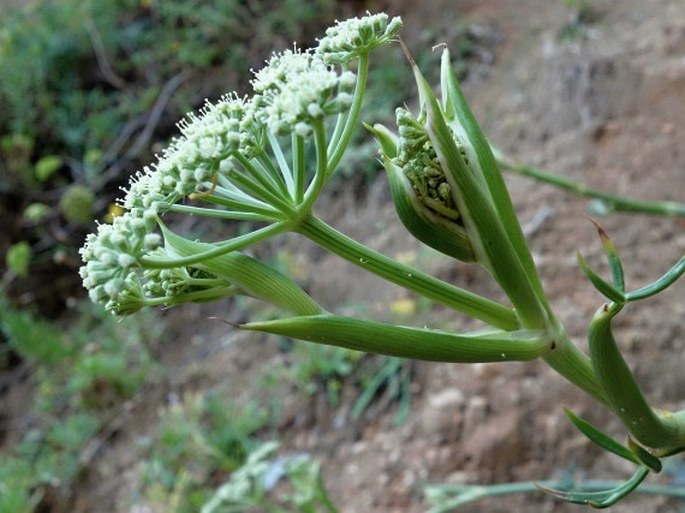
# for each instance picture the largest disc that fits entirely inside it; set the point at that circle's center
(668, 279)
(461, 119)
(422, 344)
(434, 230)
(484, 223)
(622, 391)
(47, 166)
(612, 257)
(602, 439)
(602, 499)
(386, 139)
(607, 290)
(18, 258)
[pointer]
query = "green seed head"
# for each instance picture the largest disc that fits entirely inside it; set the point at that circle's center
(76, 204)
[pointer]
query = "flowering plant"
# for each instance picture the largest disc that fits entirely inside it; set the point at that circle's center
(244, 159)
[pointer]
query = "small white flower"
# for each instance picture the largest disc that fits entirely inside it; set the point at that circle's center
(110, 256)
(347, 40)
(188, 164)
(296, 87)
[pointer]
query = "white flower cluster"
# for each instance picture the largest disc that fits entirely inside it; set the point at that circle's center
(207, 141)
(293, 92)
(347, 40)
(110, 258)
(296, 87)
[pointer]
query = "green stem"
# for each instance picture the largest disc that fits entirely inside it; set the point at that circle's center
(299, 168)
(218, 213)
(611, 201)
(237, 200)
(351, 121)
(406, 276)
(286, 175)
(320, 176)
(260, 187)
(574, 365)
(233, 244)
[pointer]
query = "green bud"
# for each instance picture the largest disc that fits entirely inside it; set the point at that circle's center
(427, 219)
(420, 192)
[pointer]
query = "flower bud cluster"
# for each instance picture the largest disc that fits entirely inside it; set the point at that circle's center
(165, 282)
(207, 142)
(110, 259)
(349, 39)
(292, 94)
(420, 164)
(295, 88)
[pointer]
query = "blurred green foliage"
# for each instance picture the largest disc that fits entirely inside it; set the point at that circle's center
(80, 381)
(200, 437)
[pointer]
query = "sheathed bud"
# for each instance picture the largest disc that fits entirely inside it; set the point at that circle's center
(421, 195)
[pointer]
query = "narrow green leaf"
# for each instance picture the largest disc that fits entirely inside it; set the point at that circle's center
(668, 279)
(482, 221)
(602, 439)
(607, 290)
(422, 344)
(386, 139)
(612, 257)
(602, 499)
(462, 119)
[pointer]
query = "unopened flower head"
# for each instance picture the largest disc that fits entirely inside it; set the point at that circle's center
(420, 164)
(349, 39)
(295, 88)
(190, 162)
(110, 259)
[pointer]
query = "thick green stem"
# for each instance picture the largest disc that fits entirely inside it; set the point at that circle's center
(574, 365)
(406, 276)
(658, 430)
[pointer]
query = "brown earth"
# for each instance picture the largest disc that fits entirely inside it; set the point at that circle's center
(604, 107)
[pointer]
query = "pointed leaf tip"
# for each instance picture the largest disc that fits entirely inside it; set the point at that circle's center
(600, 438)
(607, 290)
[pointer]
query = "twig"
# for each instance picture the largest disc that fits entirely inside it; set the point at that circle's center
(143, 139)
(101, 56)
(155, 114)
